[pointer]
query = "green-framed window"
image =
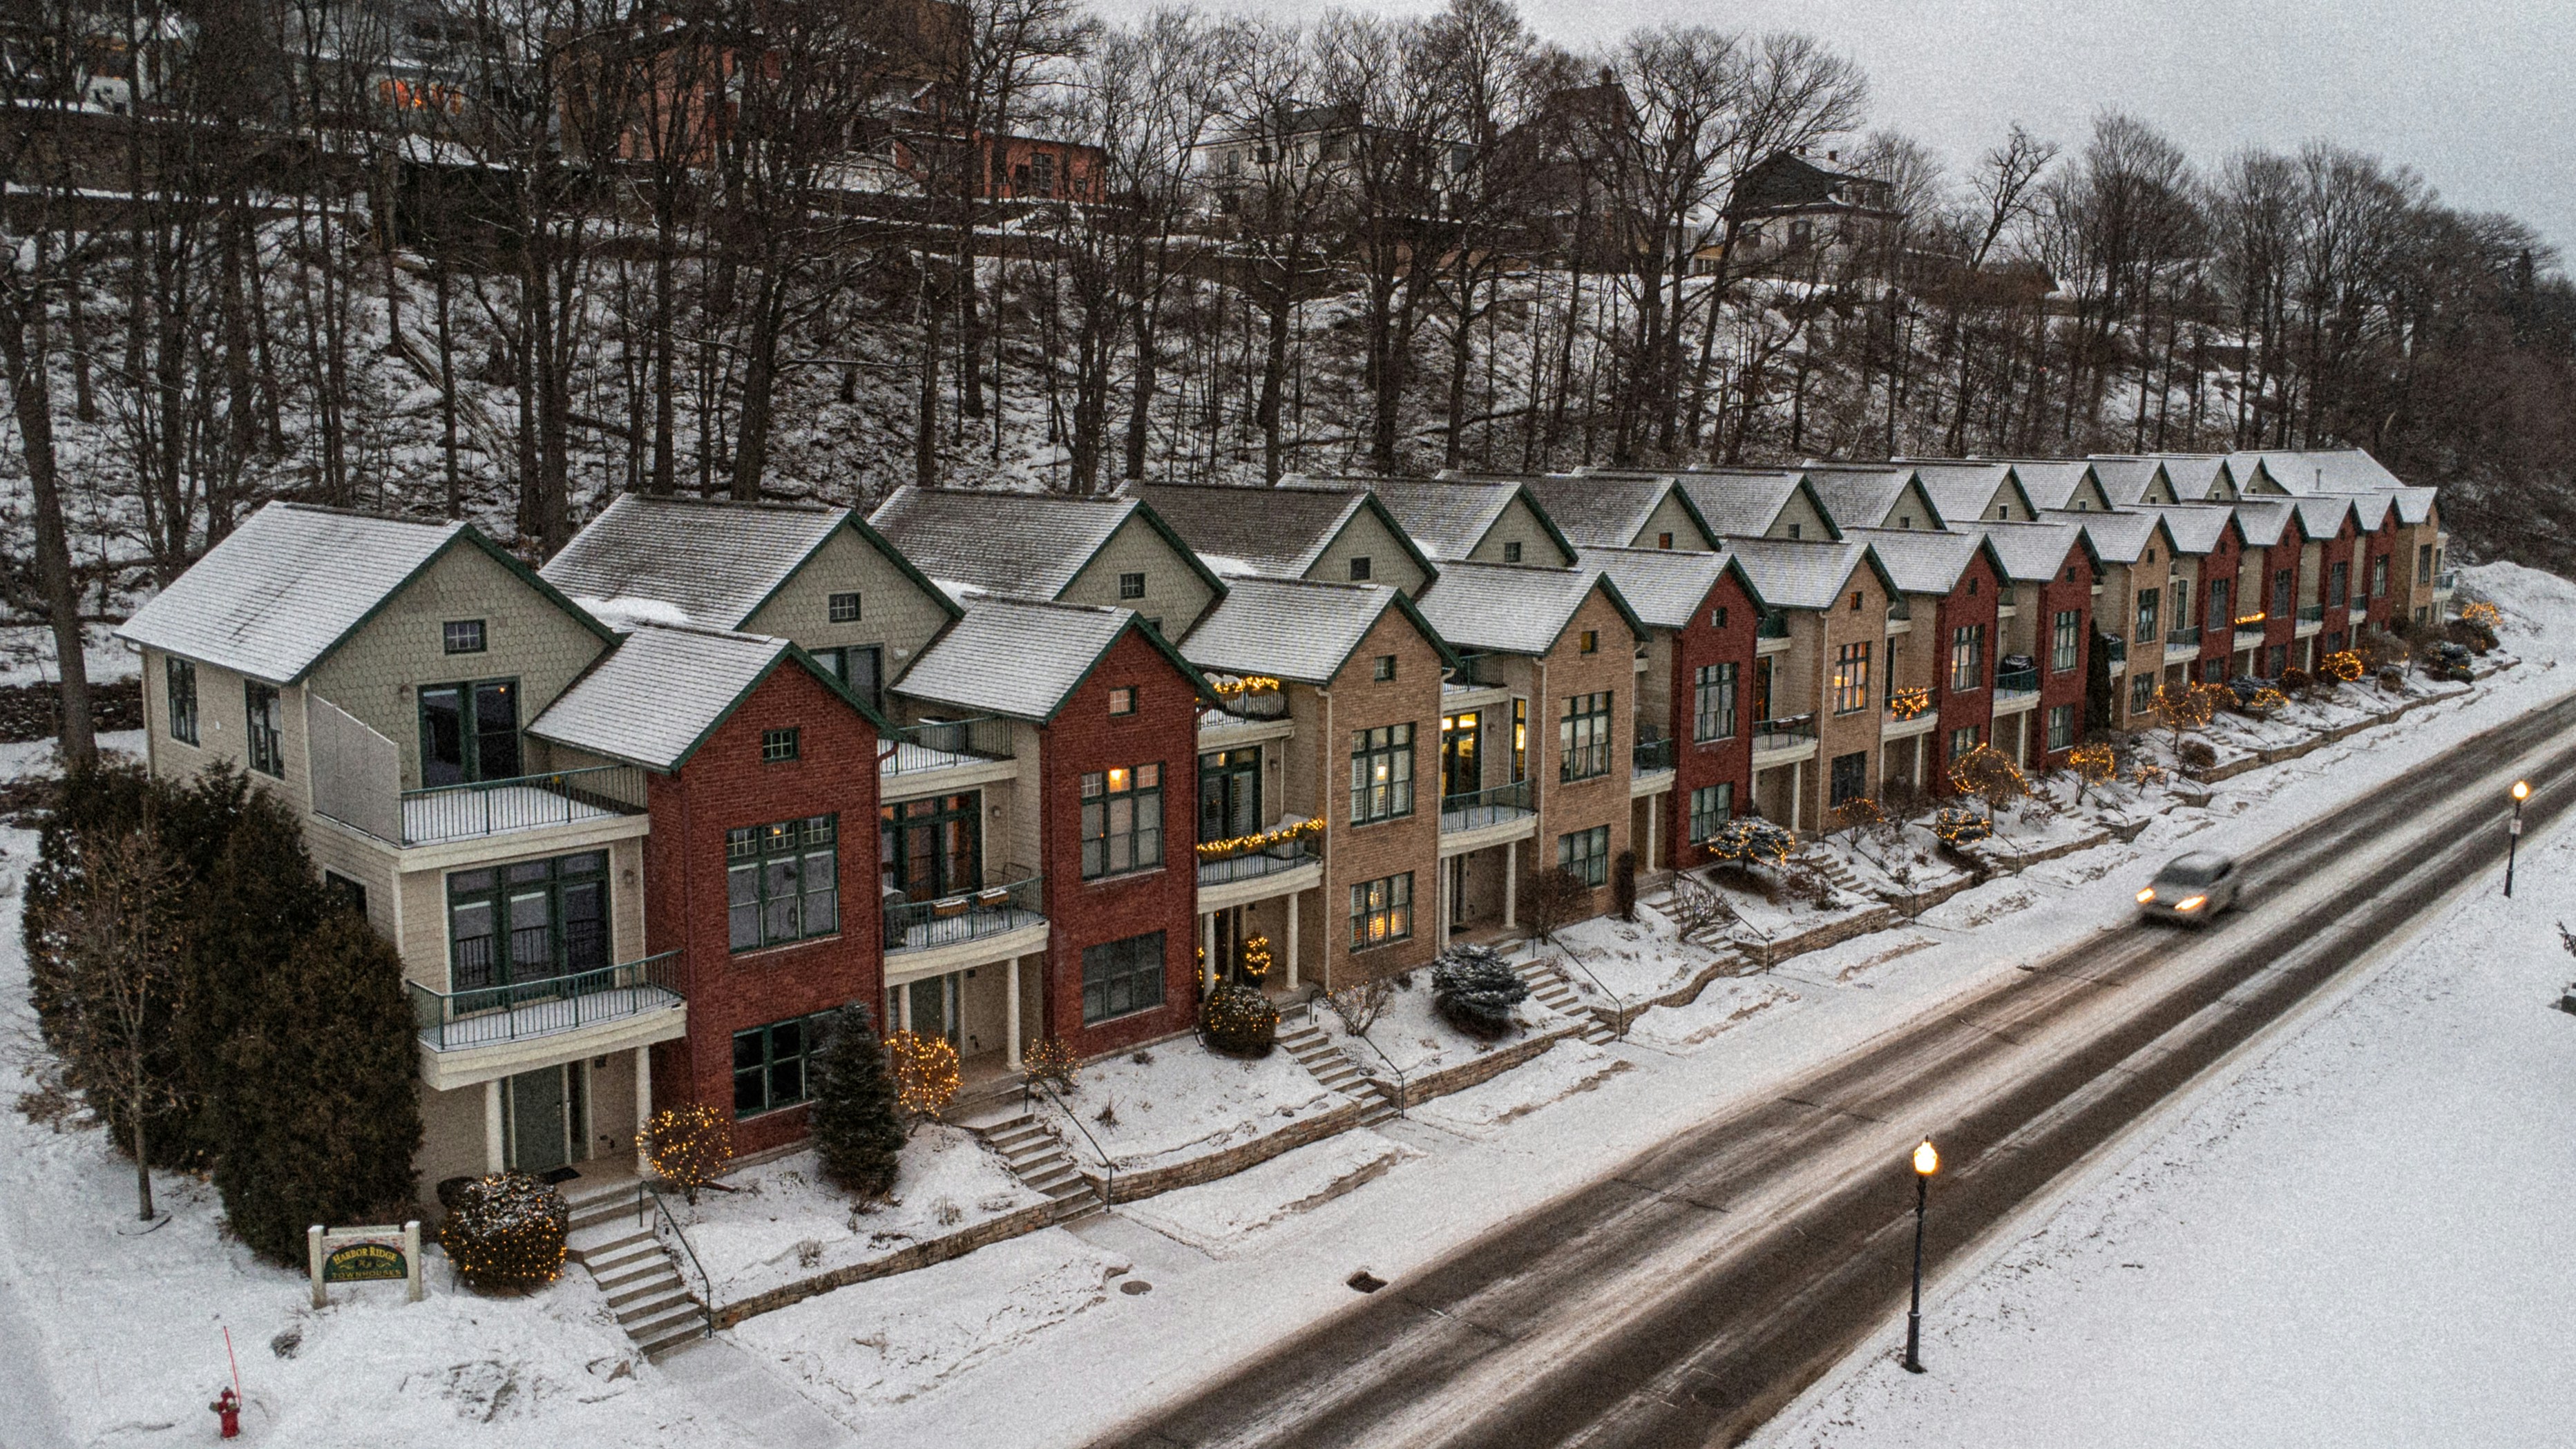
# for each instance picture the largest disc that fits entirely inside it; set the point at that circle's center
(1583, 736)
(2061, 727)
(528, 921)
(1122, 820)
(180, 677)
(2066, 640)
(770, 1063)
(1120, 978)
(264, 722)
(1586, 853)
(1381, 911)
(1381, 773)
(782, 882)
(469, 731)
(779, 746)
(1713, 702)
(859, 666)
(1711, 806)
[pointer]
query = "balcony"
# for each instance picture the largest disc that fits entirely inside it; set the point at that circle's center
(1909, 712)
(2445, 581)
(944, 745)
(1774, 624)
(1225, 869)
(2249, 630)
(498, 807)
(2186, 640)
(1781, 741)
(1477, 810)
(1651, 757)
(2117, 653)
(481, 1033)
(966, 918)
(2011, 682)
(2312, 617)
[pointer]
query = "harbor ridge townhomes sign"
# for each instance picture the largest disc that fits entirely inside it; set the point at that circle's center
(363, 1255)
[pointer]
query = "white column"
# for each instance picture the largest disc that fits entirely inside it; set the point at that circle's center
(1011, 1018)
(1293, 914)
(643, 1101)
(1511, 883)
(1797, 794)
(1654, 817)
(1207, 949)
(903, 1007)
(492, 1153)
(1440, 898)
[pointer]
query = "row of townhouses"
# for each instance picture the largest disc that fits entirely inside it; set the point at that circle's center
(1010, 766)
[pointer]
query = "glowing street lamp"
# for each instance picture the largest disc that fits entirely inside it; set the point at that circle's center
(1927, 1161)
(2513, 833)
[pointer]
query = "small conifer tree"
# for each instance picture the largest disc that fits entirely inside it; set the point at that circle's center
(858, 1130)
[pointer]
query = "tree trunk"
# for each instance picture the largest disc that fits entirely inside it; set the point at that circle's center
(22, 336)
(142, 1167)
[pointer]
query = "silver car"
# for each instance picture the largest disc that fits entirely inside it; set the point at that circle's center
(2192, 888)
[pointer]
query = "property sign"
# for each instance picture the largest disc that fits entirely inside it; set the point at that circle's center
(363, 1255)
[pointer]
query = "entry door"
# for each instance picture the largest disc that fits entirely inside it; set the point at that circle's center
(540, 1123)
(934, 1006)
(932, 848)
(1230, 794)
(1460, 770)
(1762, 689)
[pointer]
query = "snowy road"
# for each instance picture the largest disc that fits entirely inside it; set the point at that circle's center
(1687, 1296)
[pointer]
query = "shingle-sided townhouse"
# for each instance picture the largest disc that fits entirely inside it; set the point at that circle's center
(1886, 496)
(1469, 520)
(1333, 714)
(1538, 733)
(1968, 491)
(1604, 509)
(380, 676)
(1114, 552)
(1326, 535)
(1694, 753)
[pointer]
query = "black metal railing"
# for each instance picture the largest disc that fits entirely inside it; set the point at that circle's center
(652, 1211)
(1783, 734)
(1474, 671)
(1248, 704)
(2017, 681)
(1773, 624)
(1651, 757)
(522, 802)
(2118, 652)
(1494, 805)
(2184, 638)
(2446, 579)
(1030, 1088)
(547, 1006)
(2312, 613)
(1253, 864)
(944, 744)
(968, 916)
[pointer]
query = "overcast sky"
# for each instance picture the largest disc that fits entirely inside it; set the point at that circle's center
(2478, 95)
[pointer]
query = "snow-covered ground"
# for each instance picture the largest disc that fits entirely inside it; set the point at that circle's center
(1169, 1103)
(2362, 1240)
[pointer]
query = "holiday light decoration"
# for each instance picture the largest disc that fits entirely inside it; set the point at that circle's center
(2145, 773)
(2094, 765)
(2265, 700)
(1750, 842)
(690, 1146)
(1049, 1059)
(1908, 704)
(2343, 666)
(2482, 614)
(1229, 687)
(1248, 844)
(506, 1231)
(1256, 958)
(925, 1072)
(1239, 1020)
(1956, 826)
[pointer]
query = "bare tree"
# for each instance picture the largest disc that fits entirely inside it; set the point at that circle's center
(118, 979)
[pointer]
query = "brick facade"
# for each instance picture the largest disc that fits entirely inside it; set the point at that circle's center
(2225, 560)
(1971, 604)
(2070, 588)
(1565, 671)
(726, 786)
(1408, 844)
(1697, 764)
(1085, 737)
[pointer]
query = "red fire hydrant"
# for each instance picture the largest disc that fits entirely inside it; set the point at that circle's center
(227, 1407)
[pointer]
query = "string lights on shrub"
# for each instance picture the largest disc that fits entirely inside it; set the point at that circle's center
(1256, 958)
(2342, 666)
(1049, 1059)
(506, 1231)
(1239, 1020)
(1953, 825)
(690, 1146)
(925, 1072)
(1751, 842)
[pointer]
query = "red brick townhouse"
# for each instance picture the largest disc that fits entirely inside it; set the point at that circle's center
(1059, 895)
(2374, 567)
(2050, 570)
(1694, 750)
(1944, 688)
(761, 784)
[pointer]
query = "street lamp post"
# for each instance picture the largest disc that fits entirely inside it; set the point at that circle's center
(1926, 1162)
(2513, 833)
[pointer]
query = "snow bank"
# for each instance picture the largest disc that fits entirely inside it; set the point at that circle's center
(1412, 1036)
(1639, 960)
(1568, 1067)
(1724, 1005)
(1176, 1101)
(1231, 1215)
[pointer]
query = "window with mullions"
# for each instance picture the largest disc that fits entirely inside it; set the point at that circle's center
(932, 847)
(1968, 656)
(1964, 739)
(1381, 911)
(1120, 978)
(1711, 806)
(1713, 702)
(1586, 853)
(860, 667)
(2142, 693)
(1851, 678)
(266, 722)
(1122, 820)
(1230, 793)
(769, 1063)
(462, 636)
(2061, 727)
(181, 676)
(1381, 773)
(1583, 736)
(2066, 641)
(531, 921)
(778, 747)
(469, 732)
(842, 608)
(782, 882)
(2148, 600)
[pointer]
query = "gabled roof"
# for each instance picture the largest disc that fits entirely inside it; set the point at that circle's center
(1925, 563)
(658, 696)
(1962, 488)
(1515, 609)
(1447, 518)
(2372, 511)
(1023, 657)
(2127, 481)
(2196, 528)
(2316, 470)
(2028, 553)
(1610, 510)
(2322, 515)
(1666, 586)
(2120, 537)
(716, 562)
(1277, 531)
(1745, 502)
(1806, 574)
(2414, 505)
(2051, 482)
(1863, 495)
(294, 581)
(1296, 630)
(2265, 521)
(1031, 545)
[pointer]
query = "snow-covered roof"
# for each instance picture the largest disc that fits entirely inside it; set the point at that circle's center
(1261, 530)
(656, 697)
(1861, 495)
(2051, 482)
(2322, 515)
(1961, 488)
(1921, 562)
(1745, 502)
(1665, 586)
(1445, 517)
(293, 580)
(2265, 521)
(1796, 573)
(1513, 608)
(2034, 552)
(2195, 528)
(1609, 510)
(2414, 505)
(1031, 545)
(1022, 657)
(2120, 537)
(1292, 629)
(2372, 511)
(707, 561)
(2318, 470)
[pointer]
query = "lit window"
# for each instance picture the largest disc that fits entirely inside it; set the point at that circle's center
(1122, 699)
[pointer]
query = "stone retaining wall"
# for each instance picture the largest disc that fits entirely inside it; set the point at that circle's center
(1154, 1181)
(920, 1255)
(1473, 1071)
(1834, 933)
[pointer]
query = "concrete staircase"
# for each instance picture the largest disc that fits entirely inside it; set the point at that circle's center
(643, 1284)
(1832, 868)
(1553, 991)
(1314, 1051)
(1036, 1158)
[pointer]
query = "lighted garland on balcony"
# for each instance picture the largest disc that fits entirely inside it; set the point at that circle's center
(1247, 844)
(1908, 704)
(1230, 687)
